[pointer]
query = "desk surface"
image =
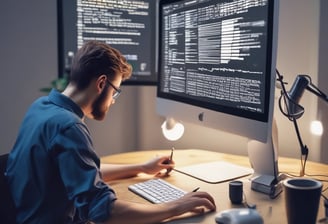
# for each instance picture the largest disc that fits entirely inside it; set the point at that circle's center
(272, 210)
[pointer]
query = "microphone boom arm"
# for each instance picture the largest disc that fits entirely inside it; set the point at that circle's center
(301, 83)
(316, 91)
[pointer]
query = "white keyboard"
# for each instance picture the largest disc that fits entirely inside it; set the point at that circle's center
(157, 191)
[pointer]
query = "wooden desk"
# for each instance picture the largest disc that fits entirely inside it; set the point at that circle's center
(272, 210)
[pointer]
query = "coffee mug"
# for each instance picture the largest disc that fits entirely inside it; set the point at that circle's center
(236, 192)
(302, 198)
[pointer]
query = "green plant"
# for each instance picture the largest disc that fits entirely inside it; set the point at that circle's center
(59, 84)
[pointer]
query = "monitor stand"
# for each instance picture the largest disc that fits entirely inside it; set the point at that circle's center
(264, 161)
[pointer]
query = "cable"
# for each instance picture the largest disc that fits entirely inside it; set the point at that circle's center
(246, 204)
(325, 189)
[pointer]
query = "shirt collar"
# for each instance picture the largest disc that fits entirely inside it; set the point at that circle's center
(65, 102)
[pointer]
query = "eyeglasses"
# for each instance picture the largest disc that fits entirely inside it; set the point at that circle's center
(117, 92)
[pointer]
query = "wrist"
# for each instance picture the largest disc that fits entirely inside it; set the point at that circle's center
(142, 168)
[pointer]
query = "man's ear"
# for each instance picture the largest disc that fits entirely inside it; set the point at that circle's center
(101, 82)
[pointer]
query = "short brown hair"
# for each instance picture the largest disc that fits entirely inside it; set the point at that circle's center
(96, 58)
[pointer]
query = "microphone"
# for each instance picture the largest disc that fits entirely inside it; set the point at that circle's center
(295, 94)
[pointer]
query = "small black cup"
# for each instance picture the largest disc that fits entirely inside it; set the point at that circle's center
(236, 192)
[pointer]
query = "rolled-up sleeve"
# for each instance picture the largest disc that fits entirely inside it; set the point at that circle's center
(79, 170)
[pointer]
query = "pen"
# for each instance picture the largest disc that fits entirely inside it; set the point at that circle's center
(196, 189)
(171, 156)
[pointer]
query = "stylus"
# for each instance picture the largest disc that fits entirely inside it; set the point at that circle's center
(196, 189)
(171, 156)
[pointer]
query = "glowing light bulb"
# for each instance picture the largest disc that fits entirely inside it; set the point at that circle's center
(316, 128)
(172, 130)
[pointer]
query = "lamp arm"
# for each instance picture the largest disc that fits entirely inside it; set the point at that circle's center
(316, 91)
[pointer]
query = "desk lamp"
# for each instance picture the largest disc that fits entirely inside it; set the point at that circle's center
(293, 110)
(172, 130)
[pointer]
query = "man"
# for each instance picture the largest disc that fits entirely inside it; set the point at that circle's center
(53, 171)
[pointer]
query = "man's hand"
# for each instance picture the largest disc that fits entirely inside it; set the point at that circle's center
(155, 165)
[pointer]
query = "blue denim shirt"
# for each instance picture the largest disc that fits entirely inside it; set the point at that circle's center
(53, 170)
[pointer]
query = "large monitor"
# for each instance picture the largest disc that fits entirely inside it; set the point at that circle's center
(129, 26)
(216, 68)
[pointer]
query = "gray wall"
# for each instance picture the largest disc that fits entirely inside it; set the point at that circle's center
(28, 59)
(28, 53)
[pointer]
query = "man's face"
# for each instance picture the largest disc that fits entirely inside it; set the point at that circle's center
(101, 105)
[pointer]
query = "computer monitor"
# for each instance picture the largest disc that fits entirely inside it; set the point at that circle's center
(216, 68)
(129, 26)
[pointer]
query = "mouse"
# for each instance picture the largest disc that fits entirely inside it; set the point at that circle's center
(239, 216)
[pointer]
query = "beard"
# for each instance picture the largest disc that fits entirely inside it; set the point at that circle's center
(99, 106)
